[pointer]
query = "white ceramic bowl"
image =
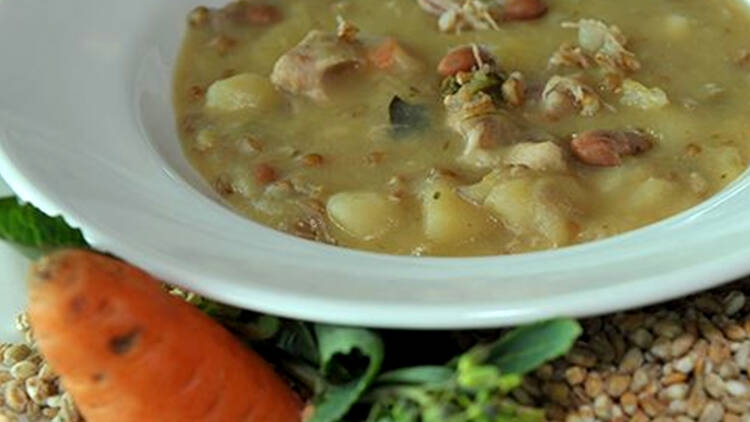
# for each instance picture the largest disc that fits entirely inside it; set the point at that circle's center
(86, 130)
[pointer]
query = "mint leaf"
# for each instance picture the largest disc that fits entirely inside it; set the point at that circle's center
(28, 227)
(525, 348)
(350, 358)
(418, 375)
(296, 339)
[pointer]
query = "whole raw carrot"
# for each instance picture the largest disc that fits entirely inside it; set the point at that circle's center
(128, 351)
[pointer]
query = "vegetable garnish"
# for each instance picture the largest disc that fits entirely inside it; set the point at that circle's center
(126, 344)
(27, 227)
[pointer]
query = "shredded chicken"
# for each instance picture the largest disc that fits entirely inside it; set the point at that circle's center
(606, 44)
(304, 68)
(568, 55)
(564, 94)
(539, 156)
(514, 89)
(635, 94)
(460, 15)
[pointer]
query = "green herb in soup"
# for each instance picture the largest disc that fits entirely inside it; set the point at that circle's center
(453, 127)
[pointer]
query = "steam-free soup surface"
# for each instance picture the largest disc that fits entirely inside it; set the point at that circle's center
(428, 128)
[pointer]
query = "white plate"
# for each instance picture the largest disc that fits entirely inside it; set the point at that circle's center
(86, 130)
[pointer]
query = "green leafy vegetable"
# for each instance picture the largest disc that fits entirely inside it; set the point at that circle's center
(489, 83)
(417, 375)
(525, 348)
(27, 227)
(473, 387)
(296, 339)
(338, 368)
(350, 359)
(449, 86)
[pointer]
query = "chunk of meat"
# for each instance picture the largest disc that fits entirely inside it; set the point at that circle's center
(475, 110)
(539, 156)
(464, 59)
(303, 70)
(605, 148)
(564, 94)
(606, 44)
(483, 126)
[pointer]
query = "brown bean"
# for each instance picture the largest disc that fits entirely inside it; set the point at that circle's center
(457, 60)
(462, 59)
(265, 174)
(605, 148)
(312, 160)
(516, 10)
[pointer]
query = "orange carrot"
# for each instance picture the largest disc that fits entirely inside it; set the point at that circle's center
(382, 55)
(128, 351)
(390, 54)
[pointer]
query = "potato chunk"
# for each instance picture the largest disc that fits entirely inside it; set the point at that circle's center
(241, 92)
(652, 194)
(721, 164)
(542, 207)
(365, 215)
(512, 202)
(447, 217)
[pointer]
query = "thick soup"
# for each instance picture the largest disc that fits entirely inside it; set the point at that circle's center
(454, 127)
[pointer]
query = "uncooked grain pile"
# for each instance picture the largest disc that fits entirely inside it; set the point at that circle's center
(28, 387)
(683, 361)
(687, 360)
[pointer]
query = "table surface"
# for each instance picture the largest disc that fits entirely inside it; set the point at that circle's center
(13, 268)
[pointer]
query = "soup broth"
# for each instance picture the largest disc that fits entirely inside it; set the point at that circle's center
(438, 127)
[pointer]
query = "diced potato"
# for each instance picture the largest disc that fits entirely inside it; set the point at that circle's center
(447, 217)
(721, 164)
(653, 193)
(635, 94)
(551, 223)
(206, 139)
(365, 215)
(563, 192)
(616, 178)
(560, 198)
(241, 92)
(677, 26)
(540, 207)
(513, 203)
(478, 192)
